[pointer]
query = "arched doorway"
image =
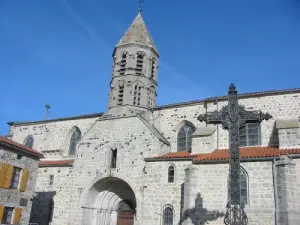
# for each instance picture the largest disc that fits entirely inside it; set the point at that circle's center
(110, 201)
(125, 213)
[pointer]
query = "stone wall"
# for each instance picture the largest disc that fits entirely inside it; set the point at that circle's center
(54, 135)
(159, 193)
(133, 141)
(169, 120)
(287, 191)
(59, 194)
(207, 183)
(12, 197)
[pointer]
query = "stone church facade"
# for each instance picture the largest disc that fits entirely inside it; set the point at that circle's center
(143, 164)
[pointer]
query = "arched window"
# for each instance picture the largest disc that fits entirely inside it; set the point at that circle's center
(250, 135)
(137, 94)
(243, 186)
(151, 96)
(120, 94)
(153, 68)
(168, 216)
(171, 174)
(113, 161)
(123, 63)
(139, 63)
(75, 138)
(184, 138)
(28, 142)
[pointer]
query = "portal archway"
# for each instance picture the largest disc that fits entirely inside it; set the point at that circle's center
(110, 201)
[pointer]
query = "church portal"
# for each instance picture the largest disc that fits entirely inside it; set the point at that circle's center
(111, 201)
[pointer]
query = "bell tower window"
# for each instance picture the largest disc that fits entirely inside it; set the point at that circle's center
(151, 97)
(152, 68)
(123, 63)
(139, 63)
(120, 94)
(137, 95)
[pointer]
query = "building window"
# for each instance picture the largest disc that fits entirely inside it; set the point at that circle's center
(120, 94)
(28, 142)
(168, 216)
(153, 68)
(113, 163)
(51, 180)
(250, 135)
(151, 96)
(171, 174)
(139, 63)
(137, 95)
(7, 215)
(15, 178)
(243, 187)
(184, 138)
(75, 138)
(123, 63)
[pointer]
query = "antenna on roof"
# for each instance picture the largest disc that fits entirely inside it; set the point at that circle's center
(47, 106)
(140, 5)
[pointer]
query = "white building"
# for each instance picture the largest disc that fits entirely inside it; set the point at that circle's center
(142, 164)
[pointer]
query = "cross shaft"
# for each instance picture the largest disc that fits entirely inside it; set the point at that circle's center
(233, 117)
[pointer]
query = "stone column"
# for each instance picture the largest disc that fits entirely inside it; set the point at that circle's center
(287, 192)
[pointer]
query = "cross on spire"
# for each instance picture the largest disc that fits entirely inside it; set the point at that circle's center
(140, 5)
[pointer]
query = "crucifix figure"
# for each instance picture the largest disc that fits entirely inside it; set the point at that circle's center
(233, 117)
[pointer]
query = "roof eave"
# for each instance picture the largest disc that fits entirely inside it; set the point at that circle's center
(168, 159)
(55, 165)
(255, 159)
(22, 151)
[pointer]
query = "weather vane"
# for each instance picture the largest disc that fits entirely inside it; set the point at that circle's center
(140, 5)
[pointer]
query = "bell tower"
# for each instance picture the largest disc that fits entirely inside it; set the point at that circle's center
(134, 78)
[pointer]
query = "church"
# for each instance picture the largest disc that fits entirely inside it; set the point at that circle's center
(138, 163)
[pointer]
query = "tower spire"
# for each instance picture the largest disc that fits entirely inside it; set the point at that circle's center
(140, 5)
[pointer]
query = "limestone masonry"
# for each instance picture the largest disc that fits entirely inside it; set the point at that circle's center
(18, 172)
(142, 164)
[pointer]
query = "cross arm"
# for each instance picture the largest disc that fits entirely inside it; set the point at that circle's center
(210, 118)
(253, 116)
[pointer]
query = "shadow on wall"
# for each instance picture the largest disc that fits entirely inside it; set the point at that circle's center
(274, 139)
(42, 208)
(200, 215)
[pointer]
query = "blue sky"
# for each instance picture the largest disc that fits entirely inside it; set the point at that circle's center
(59, 51)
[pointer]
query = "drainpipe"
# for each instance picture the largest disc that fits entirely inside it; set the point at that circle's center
(275, 190)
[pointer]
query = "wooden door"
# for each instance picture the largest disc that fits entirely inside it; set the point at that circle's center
(125, 218)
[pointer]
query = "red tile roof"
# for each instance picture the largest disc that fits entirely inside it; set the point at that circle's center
(222, 154)
(175, 155)
(20, 147)
(56, 163)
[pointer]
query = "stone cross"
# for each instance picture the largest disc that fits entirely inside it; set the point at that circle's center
(233, 117)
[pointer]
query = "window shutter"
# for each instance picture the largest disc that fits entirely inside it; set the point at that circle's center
(1, 212)
(2, 174)
(8, 176)
(17, 216)
(24, 179)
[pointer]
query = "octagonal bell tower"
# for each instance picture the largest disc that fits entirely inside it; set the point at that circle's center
(134, 78)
